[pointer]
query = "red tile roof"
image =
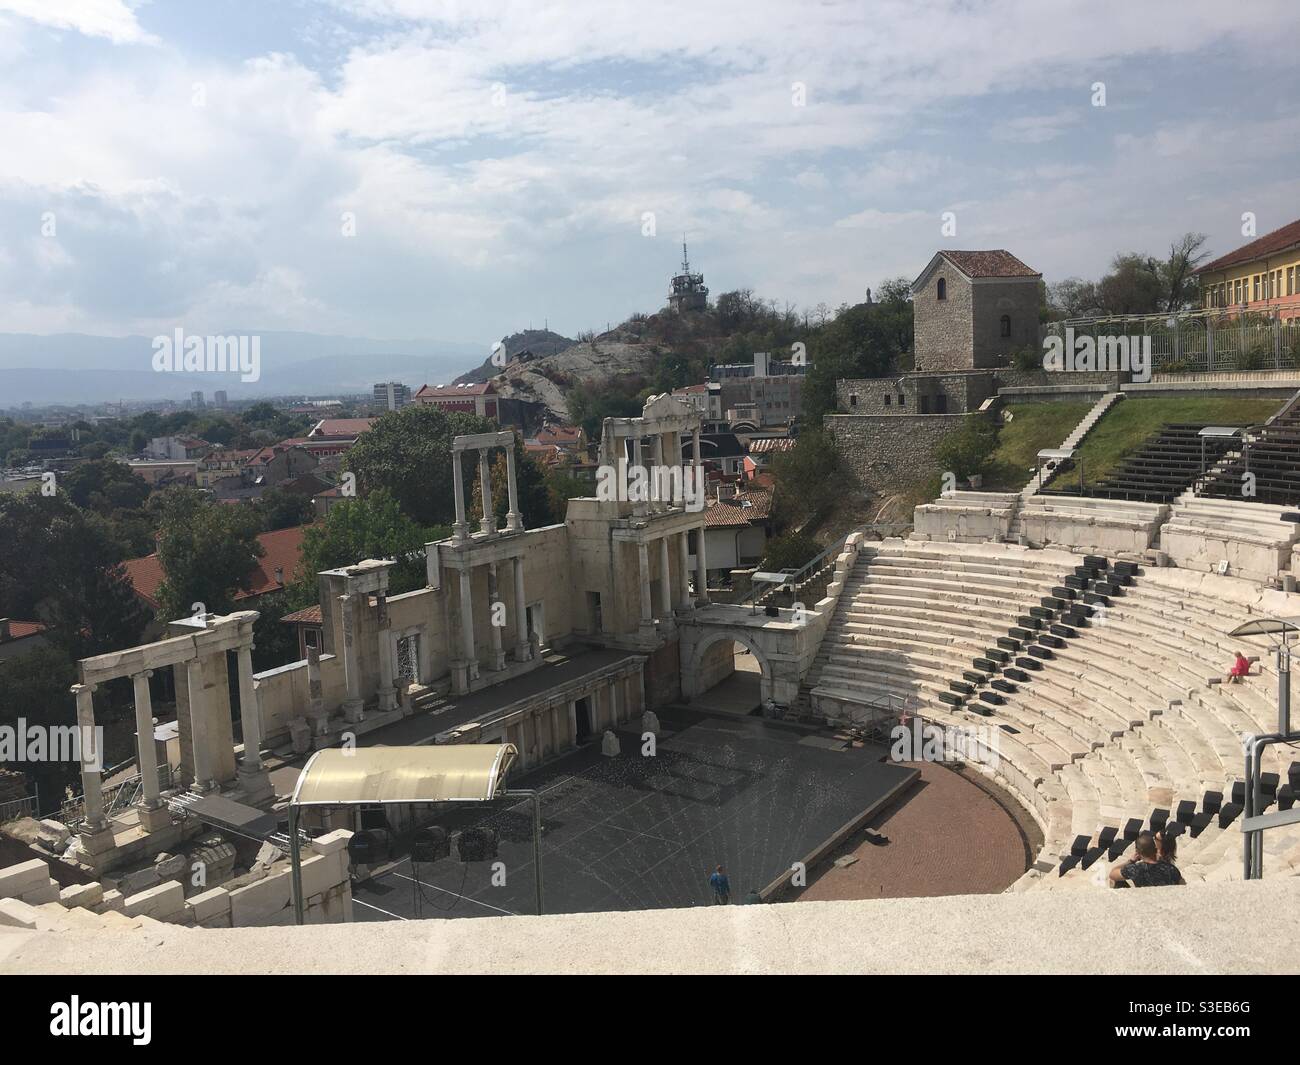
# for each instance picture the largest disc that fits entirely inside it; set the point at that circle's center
(281, 549)
(730, 513)
(484, 388)
(560, 434)
(307, 616)
(341, 427)
(995, 263)
(20, 630)
(1269, 244)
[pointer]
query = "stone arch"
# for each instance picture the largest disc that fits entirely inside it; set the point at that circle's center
(695, 674)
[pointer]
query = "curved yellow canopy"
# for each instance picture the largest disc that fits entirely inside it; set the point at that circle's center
(470, 772)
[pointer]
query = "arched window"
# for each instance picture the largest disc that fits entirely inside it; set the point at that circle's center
(942, 288)
(1006, 325)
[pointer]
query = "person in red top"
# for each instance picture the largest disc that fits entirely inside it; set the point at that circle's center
(1240, 668)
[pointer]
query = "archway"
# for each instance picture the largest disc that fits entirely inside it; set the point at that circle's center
(728, 673)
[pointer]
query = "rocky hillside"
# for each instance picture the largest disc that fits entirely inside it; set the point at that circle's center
(541, 342)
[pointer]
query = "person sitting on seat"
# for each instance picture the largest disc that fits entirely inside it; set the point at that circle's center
(1240, 668)
(1146, 869)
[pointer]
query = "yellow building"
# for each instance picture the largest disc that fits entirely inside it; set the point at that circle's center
(1263, 275)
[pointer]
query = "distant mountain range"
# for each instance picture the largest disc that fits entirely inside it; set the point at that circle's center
(76, 368)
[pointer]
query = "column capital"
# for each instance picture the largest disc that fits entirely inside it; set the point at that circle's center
(78, 689)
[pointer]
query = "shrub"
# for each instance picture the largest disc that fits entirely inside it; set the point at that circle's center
(967, 452)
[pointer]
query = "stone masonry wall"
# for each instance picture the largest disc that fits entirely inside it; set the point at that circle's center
(943, 329)
(890, 453)
(993, 299)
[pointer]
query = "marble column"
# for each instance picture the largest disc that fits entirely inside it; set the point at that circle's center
(701, 568)
(387, 693)
(200, 739)
(467, 650)
(317, 718)
(250, 716)
(489, 523)
(460, 530)
(643, 566)
(254, 780)
(640, 506)
(522, 651)
(354, 704)
(658, 502)
(496, 610)
(684, 567)
(665, 581)
(151, 812)
(92, 784)
(514, 520)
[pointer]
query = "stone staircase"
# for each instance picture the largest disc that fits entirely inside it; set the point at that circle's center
(1075, 438)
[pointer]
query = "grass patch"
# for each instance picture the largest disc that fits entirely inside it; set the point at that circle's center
(1131, 421)
(1033, 427)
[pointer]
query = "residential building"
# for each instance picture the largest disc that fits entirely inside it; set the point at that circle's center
(275, 570)
(177, 448)
(468, 398)
(391, 395)
(19, 637)
(1263, 275)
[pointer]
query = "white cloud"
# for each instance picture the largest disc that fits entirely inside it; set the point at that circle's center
(111, 19)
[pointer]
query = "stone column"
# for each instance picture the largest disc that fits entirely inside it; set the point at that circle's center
(494, 602)
(253, 777)
(460, 530)
(250, 717)
(387, 674)
(640, 506)
(152, 815)
(701, 567)
(665, 580)
(317, 718)
(684, 565)
(354, 704)
(468, 653)
(489, 524)
(659, 504)
(92, 785)
(200, 740)
(514, 520)
(522, 651)
(643, 565)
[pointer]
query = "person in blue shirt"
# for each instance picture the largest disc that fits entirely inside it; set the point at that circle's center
(721, 886)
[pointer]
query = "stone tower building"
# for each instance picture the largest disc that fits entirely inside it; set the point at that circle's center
(973, 309)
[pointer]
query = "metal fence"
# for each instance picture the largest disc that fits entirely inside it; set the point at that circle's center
(1217, 340)
(16, 808)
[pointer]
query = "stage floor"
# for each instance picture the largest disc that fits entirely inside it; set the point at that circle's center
(632, 832)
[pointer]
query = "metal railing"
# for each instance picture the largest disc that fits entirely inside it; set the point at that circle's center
(1208, 340)
(16, 808)
(117, 797)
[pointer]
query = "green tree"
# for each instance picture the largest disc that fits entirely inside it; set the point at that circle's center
(369, 526)
(808, 478)
(35, 686)
(61, 566)
(278, 509)
(408, 452)
(967, 452)
(104, 485)
(208, 552)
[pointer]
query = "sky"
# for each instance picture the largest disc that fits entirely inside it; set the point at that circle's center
(462, 170)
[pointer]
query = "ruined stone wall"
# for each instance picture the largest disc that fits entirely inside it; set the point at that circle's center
(890, 454)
